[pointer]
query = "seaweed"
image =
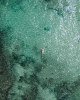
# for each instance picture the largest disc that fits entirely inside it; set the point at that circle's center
(7, 92)
(30, 60)
(22, 59)
(33, 78)
(32, 93)
(3, 2)
(19, 87)
(21, 79)
(77, 82)
(48, 0)
(26, 60)
(50, 81)
(15, 56)
(23, 97)
(18, 2)
(1, 71)
(44, 85)
(62, 91)
(23, 63)
(38, 68)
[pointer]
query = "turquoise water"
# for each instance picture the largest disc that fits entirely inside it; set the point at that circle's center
(31, 26)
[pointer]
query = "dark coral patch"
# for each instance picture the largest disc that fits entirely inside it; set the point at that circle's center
(46, 29)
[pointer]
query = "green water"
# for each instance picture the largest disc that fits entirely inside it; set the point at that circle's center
(33, 25)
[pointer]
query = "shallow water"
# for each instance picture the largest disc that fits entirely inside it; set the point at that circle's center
(26, 28)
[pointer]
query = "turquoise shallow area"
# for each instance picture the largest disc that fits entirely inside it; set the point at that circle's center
(30, 26)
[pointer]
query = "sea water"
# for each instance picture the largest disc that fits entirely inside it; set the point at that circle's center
(27, 27)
